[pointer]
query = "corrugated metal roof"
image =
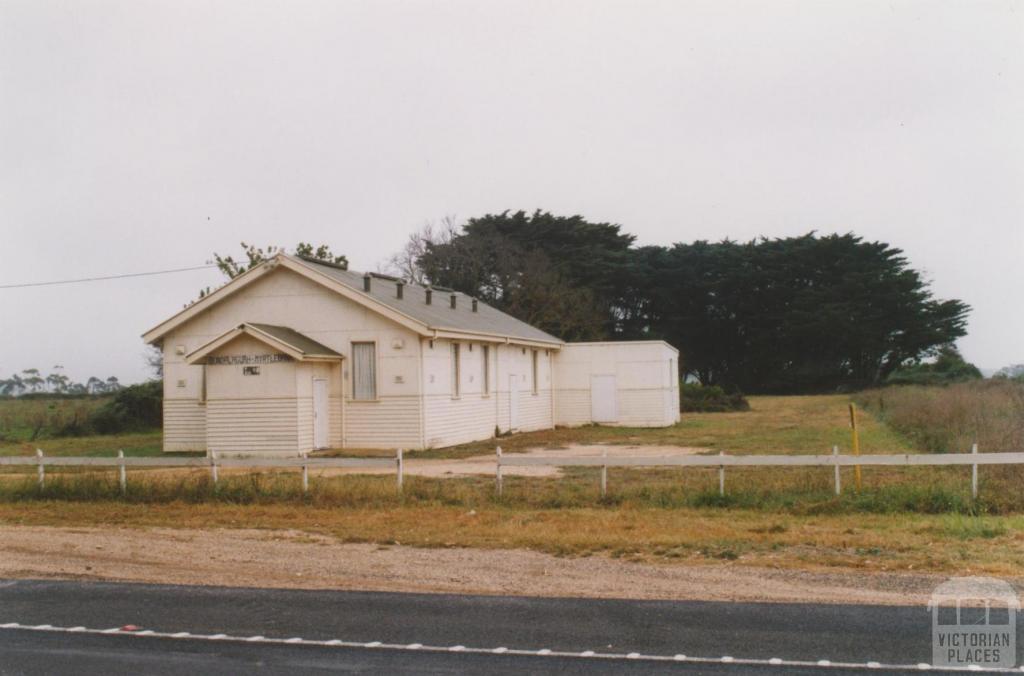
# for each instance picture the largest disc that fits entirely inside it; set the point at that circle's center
(439, 314)
(304, 344)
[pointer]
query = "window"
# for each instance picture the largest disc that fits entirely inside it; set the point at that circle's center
(533, 369)
(456, 370)
(485, 358)
(202, 386)
(364, 371)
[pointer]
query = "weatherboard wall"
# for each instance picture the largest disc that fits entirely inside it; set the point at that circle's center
(417, 405)
(646, 382)
(287, 299)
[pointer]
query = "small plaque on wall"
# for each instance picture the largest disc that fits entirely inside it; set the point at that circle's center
(250, 370)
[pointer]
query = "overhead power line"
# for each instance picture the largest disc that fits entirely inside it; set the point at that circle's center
(100, 279)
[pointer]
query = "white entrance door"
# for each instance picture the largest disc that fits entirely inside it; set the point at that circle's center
(602, 399)
(513, 402)
(321, 418)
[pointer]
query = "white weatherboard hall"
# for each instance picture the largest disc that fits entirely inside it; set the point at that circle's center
(297, 355)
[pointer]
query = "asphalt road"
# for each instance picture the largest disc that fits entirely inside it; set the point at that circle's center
(57, 627)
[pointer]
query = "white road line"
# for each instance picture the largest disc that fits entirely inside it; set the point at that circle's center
(543, 652)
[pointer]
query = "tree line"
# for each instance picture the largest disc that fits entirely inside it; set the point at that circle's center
(798, 314)
(32, 381)
(812, 313)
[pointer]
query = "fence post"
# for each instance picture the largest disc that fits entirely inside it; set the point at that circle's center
(122, 473)
(42, 470)
(497, 473)
(213, 467)
(835, 459)
(604, 474)
(400, 469)
(721, 476)
(305, 474)
(974, 473)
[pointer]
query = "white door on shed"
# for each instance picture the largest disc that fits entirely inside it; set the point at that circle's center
(321, 417)
(602, 399)
(513, 402)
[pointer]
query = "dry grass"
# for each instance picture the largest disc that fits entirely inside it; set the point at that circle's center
(866, 542)
(797, 424)
(905, 518)
(949, 419)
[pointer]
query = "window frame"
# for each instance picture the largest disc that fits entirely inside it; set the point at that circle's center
(485, 357)
(456, 376)
(353, 370)
(535, 371)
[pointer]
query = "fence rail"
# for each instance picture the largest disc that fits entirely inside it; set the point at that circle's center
(211, 462)
(721, 461)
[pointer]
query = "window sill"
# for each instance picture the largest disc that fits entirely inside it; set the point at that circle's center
(485, 396)
(363, 401)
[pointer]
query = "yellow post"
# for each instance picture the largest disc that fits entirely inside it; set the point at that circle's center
(856, 444)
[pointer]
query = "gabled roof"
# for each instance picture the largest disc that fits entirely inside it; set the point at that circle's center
(280, 338)
(437, 320)
(439, 314)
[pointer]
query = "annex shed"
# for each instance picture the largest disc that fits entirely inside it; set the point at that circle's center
(297, 354)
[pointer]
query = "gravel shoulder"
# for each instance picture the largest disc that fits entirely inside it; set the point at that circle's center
(293, 559)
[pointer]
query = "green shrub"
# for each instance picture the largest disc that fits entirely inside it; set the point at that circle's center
(949, 367)
(132, 409)
(694, 398)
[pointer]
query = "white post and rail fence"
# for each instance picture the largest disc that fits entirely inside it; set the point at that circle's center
(214, 463)
(721, 461)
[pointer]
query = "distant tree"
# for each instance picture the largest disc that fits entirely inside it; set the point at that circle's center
(1013, 372)
(95, 386)
(33, 381)
(405, 263)
(57, 382)
(948, 366)
(321, 253)
(112, 384)
(155, 361)
(13, 386)
(796, 314)
(253, 256)
(527, 264)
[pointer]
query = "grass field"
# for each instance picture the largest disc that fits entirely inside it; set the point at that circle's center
(903, 519)
(799, 424)
(29, 420)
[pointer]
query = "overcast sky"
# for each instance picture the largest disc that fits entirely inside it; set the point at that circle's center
(138, 136)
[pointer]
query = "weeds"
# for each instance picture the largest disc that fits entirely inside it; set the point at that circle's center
(781, 491)
(949, 419)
